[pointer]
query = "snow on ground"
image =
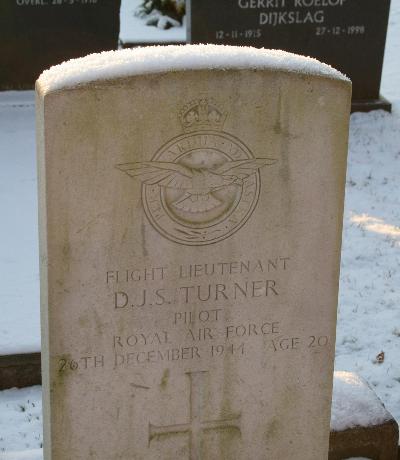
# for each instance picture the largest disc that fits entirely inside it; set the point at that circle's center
(37, 454)
(21, 423)
(134, 29)
(369, 298)
(19, 268)
(391, 64)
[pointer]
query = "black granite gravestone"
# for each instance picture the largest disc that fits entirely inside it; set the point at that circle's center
(347, 34)
(36, 34)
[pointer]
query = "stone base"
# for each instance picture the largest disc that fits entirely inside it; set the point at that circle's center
(379, 442)
(368, 105)
(20, 370)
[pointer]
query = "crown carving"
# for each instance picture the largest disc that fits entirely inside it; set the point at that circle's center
(202, 114)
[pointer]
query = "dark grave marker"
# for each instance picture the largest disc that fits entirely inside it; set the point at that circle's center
(347, 34)
(36, 34)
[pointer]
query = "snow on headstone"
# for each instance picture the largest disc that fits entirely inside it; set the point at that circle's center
(191, 210)
(159, 59)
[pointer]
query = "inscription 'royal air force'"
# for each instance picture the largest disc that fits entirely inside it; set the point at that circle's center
(202, 186)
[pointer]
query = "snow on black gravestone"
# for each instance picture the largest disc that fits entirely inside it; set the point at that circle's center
(347, 34)
(36, 34)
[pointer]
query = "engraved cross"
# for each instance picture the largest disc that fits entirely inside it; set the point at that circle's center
(196, 425)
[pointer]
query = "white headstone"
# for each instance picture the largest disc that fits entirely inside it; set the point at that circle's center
(191, 214)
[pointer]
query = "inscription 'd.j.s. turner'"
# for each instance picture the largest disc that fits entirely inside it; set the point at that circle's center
(202, 186)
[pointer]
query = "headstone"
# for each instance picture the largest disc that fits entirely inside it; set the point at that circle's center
(36, 34)
(350, 35)
(191, 212)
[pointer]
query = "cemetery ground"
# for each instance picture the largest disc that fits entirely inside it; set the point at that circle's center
(368, 332)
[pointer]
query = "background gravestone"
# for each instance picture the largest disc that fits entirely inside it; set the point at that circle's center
(190, 253)
(36, 34)
(347, 34)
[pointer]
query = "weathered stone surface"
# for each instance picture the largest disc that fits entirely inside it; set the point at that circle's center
(190, 240)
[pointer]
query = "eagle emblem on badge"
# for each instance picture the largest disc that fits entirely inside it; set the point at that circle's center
(202, 186)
